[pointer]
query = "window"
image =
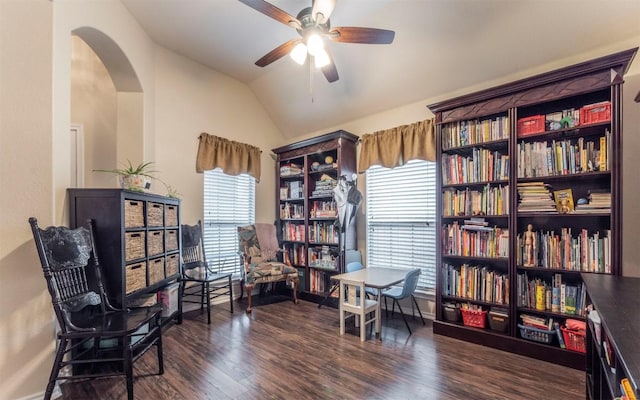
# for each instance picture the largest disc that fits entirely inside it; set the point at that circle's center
(229, 202)
(401, 215)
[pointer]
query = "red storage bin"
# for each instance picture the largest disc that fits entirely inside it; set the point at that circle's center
(474, 318)
(531, 125)
(594, 113)
(575, 340)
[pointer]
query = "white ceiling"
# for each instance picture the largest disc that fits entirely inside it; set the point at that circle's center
(440, 46)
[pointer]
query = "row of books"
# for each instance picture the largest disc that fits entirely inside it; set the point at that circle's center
(552, 295)
(318, 282)
(540, 159)
(293, 232)
(322, 257)
(582, 252)
(464, 133)
(294, 254)
(475, 282)
(292, 190)
(482, 166)
(289, 210)
(469, 240)
(492, 200)
(322, 232)
(323, 209)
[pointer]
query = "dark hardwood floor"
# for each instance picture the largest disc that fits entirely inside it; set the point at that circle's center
(287, 351)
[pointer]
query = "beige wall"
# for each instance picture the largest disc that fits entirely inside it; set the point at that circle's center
(191, 99)
(180, 99)
(26, 316)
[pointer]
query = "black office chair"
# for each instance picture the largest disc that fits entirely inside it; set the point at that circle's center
(198, 278)
(95, 338)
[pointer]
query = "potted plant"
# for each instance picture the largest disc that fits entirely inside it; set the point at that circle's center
(133, 177)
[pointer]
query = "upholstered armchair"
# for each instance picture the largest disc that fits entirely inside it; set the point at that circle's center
(259, 248)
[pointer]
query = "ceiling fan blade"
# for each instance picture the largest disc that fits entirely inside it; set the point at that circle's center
(330, 72)
(361, 35)
(277, 53)
(272, 11)
(322, 10)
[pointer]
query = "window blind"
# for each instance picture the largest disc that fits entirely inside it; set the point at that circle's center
(401, 215)
(229, 202)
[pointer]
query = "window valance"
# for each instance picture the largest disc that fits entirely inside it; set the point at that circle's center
(394, 147)
(232, 157)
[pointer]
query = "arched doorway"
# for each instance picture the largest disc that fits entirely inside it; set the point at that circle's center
(107, 101)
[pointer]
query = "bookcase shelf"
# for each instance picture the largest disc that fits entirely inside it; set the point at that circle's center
(551, 144)
(311, 240)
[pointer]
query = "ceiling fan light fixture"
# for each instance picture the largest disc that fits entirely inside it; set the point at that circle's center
(315, 44)
(299, 53)
(321, 59)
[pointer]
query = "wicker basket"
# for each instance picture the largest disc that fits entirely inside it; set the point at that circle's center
(172, 265)
(171, 215)
(133, 214)
(155, 213)
(135, 277)
(156, 242)
(171, 239)
(474, 318)
(134, 245)
(156, 270)
(575, 340)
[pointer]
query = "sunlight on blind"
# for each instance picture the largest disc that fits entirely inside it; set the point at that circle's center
(401, 215)
(229, 202)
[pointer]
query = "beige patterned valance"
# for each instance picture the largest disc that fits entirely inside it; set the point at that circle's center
(232, 157)
(394, 147)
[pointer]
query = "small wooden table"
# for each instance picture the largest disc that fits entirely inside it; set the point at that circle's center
(377, 278)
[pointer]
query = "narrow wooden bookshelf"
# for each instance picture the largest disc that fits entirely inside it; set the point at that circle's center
(530, 189)
(306, 174)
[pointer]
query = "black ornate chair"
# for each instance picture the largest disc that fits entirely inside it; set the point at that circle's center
(95, 338)
(198, 278)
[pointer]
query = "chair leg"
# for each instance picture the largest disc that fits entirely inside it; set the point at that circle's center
(55, 369)
(208, 294)
(249, 290)
(159, 348)
(386, 309)
(230, 295)
(403, 317)
(180, 305)
(128, 368)
(295, 290)
(418, 307)
(202, 300)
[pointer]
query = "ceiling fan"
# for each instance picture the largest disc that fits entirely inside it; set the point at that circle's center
(312, 23)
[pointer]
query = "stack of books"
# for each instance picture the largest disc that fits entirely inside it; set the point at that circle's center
(598, 203)
(535, 197)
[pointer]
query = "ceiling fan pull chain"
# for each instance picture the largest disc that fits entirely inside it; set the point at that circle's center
(311, 77)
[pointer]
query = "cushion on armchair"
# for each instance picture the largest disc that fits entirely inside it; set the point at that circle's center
(259, 245)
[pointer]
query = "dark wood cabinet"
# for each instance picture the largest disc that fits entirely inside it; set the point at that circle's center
(306, 214)
(509, 246)
(138, 237)
(612, 345)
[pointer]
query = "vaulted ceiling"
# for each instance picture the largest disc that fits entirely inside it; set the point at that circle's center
(440, 46)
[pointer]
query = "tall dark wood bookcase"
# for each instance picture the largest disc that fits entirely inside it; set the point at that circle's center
(138, 238)
(494, 146)
(306, 210)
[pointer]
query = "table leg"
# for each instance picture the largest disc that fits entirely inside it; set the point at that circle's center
(379, 316)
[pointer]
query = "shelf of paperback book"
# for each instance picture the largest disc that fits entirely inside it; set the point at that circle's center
(472, 185)
(551, 314)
